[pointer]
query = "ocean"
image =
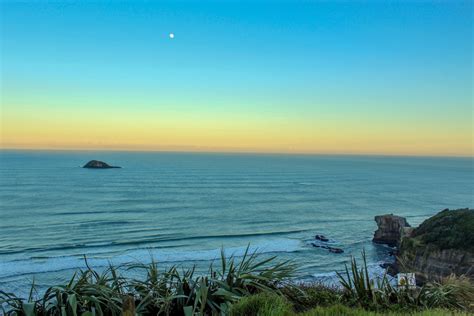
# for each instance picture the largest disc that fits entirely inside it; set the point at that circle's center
(181, 208)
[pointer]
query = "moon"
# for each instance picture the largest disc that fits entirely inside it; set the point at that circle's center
(171, 35)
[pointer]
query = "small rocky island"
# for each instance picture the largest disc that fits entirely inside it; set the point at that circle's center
(97, 164)
(442, 245)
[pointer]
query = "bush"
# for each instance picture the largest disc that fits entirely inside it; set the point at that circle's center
(378, 294)
(305, 296)
(263, 304)
(371, 293)
(449, 229)
(167, 292)
(243, 286)
(452, 292)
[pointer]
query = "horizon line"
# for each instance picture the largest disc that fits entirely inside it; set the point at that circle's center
(242, 152)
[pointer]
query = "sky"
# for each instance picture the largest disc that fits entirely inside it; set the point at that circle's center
(327, 77)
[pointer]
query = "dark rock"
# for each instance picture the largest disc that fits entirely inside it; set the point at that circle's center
(393, 270)
(392, 253)
(335, 250)
(391, 267)
(331, 249)
(390, 229)
(321, 238)
(96, 164)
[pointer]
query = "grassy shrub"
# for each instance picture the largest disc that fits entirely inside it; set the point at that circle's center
(243, 286)
(366, 292)
(87, 291)
(167, 292)
(263, 304)
(452, 292)
(305, 296)
(378, 294)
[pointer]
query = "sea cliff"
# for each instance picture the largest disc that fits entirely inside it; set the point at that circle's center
(442, 245)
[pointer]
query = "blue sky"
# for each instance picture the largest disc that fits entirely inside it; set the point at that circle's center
(363, 66)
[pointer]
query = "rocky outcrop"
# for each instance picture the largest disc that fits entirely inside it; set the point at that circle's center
(321, 242)
(442, 245)
(97, 164)
(434, 264)
(390, 229)
(321, 238)
(329, 248)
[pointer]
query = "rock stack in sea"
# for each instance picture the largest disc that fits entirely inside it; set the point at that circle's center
(390, 229)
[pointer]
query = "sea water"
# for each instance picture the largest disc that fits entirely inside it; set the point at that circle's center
(182, 208)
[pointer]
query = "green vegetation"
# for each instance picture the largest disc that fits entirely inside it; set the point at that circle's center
(168, 292)
(452, 292)
(246, 286)
(449, 229)
(360, 289)
(305, 296)
(378, 294)
(340, 310)
(262, 304)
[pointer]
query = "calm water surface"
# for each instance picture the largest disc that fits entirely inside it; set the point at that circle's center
(181, 208)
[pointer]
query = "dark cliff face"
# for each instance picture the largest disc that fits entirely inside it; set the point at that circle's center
(440, 246)
(433, 264)
(96, 164)
(390, 229)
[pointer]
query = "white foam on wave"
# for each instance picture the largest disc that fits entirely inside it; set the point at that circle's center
(331, 278)
(36, 266)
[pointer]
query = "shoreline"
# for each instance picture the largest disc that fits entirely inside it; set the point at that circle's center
(63, 266)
